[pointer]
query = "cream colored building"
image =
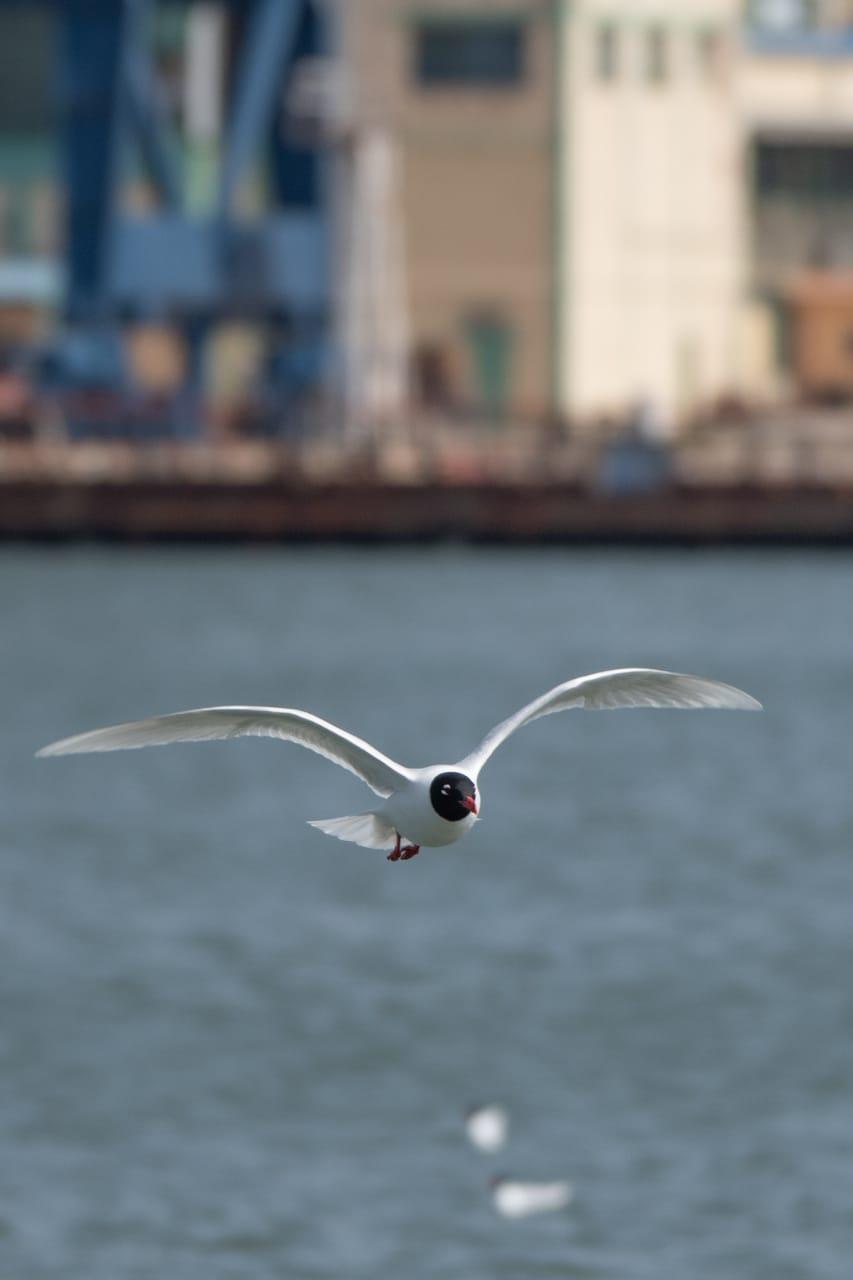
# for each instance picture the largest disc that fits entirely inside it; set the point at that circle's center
(706, 172)
(652, 266)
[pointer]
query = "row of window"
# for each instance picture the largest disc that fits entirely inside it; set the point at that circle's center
(491, 52)
(708, 48)
(805, 171)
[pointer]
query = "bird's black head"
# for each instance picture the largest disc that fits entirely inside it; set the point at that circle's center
(453, 796)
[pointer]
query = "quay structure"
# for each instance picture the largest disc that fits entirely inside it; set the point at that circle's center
(771, 481)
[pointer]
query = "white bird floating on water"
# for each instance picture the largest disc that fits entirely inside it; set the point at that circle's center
(514, 1199)
(487, 1127)
(432, 806)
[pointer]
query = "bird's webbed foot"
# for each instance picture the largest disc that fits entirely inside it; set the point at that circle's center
(403, 852)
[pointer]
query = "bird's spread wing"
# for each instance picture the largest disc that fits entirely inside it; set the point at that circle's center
(380, 773)
(608, 690)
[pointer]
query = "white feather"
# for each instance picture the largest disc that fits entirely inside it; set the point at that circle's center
(365, 829)
(612, 690)
(381, 774)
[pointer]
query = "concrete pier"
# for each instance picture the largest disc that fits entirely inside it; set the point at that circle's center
(383, 512)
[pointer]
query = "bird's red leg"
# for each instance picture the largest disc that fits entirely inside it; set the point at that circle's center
(396, 852)
(409, 851)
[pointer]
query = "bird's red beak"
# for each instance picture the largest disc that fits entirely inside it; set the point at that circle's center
(470, 804)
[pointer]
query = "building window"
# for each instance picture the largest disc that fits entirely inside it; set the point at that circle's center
(475, 52)
(711, 54)
(810, 173)
(607, 52)
(657, 55)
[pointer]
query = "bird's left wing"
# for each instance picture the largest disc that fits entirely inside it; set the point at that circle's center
(609, 690)
(380, 773)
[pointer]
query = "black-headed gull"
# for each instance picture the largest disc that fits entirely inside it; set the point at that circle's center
(433, 806)
(514, 1199)
(487, 1127)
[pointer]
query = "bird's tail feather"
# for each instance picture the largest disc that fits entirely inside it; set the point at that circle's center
(366, 829)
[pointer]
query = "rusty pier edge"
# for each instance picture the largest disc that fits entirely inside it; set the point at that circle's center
(379, 512)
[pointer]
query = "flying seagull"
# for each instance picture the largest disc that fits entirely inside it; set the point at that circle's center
(432, 806)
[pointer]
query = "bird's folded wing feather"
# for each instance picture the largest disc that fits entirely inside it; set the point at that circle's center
(380, 773)
(609, 690)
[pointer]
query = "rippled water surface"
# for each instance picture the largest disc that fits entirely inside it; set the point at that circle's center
(231, 1047)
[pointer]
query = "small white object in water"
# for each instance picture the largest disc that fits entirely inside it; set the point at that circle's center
(514, 1199)
(487, 1127)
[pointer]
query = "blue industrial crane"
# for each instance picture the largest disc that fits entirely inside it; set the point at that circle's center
(175, 264)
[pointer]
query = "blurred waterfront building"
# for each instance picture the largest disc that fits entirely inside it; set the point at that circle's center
(575, 211)
(650, 260)
(796, 113)
(609, 206)
(468, 91)
(545, 210)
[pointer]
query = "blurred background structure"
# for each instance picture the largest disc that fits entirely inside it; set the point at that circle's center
(164, 227)
(381, 225)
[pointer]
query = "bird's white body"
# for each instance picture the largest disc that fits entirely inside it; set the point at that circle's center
(407, 810)
(410, 812)
(433, 806)
(523, 1199)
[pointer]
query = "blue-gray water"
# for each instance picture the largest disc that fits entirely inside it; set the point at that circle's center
(231, 1047)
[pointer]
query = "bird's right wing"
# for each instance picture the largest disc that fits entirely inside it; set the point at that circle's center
(609, 690)
(382, 775)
